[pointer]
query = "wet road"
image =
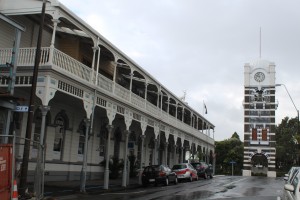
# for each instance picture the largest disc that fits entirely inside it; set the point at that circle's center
(223, 187)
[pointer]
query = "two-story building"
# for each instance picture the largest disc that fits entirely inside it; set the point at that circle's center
(86, 83)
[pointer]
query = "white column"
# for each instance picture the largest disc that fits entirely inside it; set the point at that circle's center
(175, 160)
(93, 64)
(39, 170)
(146, 87)
(141, 161)
(166, 153)
(98, 63)
(181, 156)
(106, 173)
(55, 22)
(168, 110)
(84, 163)
(154, 157)
(124, 181)
(130, 87)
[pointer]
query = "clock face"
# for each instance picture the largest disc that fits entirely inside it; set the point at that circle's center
(259, 76)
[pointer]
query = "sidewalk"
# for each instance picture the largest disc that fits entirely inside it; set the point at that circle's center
(67, 189)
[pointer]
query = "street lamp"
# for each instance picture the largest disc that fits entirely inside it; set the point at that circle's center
(293, 104)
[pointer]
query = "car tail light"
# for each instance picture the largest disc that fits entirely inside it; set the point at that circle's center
(182, 171)
(161, 173)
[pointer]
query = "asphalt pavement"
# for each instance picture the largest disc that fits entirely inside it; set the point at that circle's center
(67, 189)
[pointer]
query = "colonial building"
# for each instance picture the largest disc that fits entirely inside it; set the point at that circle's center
(259, 118)
(92, 98)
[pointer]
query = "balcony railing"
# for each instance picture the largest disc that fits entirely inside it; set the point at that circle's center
(64, 63)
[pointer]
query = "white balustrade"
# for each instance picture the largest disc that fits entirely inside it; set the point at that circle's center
(26, 56)
(137, 100)
(77, 69)
(152, 109)
(165, 116)
(172, 120)
(71, 65)
(122, 92)
(5, 55)
(105, 83)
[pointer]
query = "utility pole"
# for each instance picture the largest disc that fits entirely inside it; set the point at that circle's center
(24, 166)
(293, 104)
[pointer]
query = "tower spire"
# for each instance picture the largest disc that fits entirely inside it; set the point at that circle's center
(259, 42)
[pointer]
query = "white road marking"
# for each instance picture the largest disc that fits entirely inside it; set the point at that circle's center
(124, 193)
(234, 182)
(278, 198)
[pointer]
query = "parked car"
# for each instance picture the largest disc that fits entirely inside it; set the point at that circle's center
(291, 188)
(155, 174)
(203, 170)
(290, 174)
(185, 171)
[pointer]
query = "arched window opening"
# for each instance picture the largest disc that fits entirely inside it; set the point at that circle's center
(61, 124)
(117, 138)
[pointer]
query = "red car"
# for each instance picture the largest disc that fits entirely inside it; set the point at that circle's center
(185, 171)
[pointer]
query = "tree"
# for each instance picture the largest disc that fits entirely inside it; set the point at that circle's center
(229, 150)
(287, 141)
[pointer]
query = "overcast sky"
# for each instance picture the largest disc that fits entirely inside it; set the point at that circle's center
(201, 46)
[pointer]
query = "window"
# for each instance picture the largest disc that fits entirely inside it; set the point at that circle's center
(59, 134)
(58, 140)
(295, 183)
(254, 134)
(264, 134)
(103, 139)
(81, 143)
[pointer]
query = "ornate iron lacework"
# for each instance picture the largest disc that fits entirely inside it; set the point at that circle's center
(150, 122)
(101, 102)
(20, 80)
(120, 109)
(137, 116)
(70, 89)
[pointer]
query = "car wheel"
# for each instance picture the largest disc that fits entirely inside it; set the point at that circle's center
(205, 175)
(167, 181)
(176, 181)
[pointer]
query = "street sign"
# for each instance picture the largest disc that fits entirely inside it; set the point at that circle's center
(21, 109)
(232, 162)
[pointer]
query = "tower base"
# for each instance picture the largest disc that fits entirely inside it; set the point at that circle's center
(246, 172)
(271, 174)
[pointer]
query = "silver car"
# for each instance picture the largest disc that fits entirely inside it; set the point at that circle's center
(291, 188)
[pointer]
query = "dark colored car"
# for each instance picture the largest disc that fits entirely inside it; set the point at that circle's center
(203, 170)
(155, 174)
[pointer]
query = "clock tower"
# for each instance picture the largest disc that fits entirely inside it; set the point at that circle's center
(259, 118)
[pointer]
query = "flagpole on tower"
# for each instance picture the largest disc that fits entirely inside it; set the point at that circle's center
(205, 109)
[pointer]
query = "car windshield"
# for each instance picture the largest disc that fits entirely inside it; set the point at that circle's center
(179, 167)
(196, 164)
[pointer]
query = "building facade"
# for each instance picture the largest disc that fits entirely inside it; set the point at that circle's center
(92, 99)
(259, 118)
